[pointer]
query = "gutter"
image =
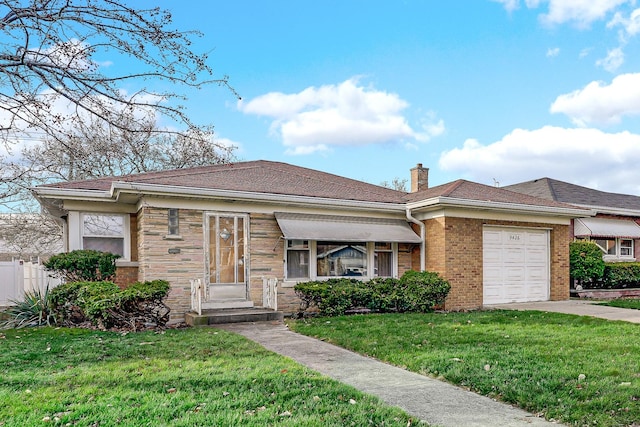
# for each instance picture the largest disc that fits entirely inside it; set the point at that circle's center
(423, 238)
(119, 187)
(444, 201)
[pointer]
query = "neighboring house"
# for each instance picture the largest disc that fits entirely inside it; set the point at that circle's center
(233, 225)
(615, 227)
(28, 237)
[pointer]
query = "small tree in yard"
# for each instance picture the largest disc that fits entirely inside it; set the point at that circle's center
(586, 263)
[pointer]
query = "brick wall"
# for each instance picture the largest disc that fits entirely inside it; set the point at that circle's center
(126, 276)
(463, 262)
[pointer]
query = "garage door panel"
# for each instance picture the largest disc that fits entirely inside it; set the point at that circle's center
(514, 255)
(537, 256)
(537, 239)
(492, 237)
(492, 256)
(515, 265)
(514, 274)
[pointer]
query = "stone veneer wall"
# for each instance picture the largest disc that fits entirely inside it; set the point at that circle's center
(267, 254)
(454, 249)
(177, 260)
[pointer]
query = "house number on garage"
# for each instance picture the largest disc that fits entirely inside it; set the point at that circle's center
(514, 237)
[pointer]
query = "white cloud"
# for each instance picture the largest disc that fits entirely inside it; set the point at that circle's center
(509, 5)
(580, 12)
(346, 114)
(630, 26)
(613, 60)
(587, 157)
(553, 52)
(601, 103)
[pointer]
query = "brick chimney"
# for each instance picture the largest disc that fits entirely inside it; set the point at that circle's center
(419, 178)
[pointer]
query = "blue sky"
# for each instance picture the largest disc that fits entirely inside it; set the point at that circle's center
(488, 91)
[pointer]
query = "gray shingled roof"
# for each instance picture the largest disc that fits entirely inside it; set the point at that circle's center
(259, 176)
(560, 191)
(269, 177)
(467, 190)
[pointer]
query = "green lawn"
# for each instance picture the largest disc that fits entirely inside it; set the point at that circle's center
(578, 370)
(633, 303)
(185, 377)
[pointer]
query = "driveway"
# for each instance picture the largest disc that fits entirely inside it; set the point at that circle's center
(574, 306)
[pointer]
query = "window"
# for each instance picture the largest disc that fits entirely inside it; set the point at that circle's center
(615, 247)
(338, 259)
(383, 260)
(298, 259)
(174, 229)
(104, 232)
(341, 259)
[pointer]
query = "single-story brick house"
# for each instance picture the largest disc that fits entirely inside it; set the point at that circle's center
(615, 228)
(233, 225)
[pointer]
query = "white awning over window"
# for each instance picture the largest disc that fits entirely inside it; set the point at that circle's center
(345, 228)
(605, 227)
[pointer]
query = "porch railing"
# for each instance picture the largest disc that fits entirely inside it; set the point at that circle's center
(198, 294)
(270, 292)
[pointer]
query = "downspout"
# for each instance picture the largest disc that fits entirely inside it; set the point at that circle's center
(423, 259)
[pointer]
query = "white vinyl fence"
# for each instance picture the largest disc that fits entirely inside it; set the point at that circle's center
(18, 277)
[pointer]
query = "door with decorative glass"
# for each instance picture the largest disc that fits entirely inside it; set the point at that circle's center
(226, 242)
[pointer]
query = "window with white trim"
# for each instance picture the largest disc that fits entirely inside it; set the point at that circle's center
(298, 254)
(104, 232)
(338, 259)
(615, 247)
(383, 260)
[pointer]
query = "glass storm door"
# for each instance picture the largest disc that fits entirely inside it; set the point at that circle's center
(226, 253)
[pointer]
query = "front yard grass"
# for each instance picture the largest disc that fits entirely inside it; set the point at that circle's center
(183, 377)
(633, 303)
(578, 370)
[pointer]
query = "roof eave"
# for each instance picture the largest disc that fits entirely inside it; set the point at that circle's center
(610, 210)
(443, 202)
(120, 188)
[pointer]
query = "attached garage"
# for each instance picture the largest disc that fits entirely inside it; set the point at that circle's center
(515, 264)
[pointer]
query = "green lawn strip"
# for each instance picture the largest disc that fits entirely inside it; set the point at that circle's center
(184, 377)
(578, 370)
(633, 303)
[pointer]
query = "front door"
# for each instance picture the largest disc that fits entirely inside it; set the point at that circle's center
(226, 237)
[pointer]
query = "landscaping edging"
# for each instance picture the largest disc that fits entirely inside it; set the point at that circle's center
(606, 293)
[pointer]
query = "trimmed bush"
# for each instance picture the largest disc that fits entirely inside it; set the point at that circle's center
(414, 292)
(586, 266)
(106, 306)
(620, 275)
(84, 265)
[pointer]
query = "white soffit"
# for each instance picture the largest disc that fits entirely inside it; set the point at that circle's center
(605, 227)
(345, 228)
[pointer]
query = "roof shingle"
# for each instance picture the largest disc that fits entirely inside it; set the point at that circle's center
(560, 191)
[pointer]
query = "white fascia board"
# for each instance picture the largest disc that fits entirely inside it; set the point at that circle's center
(443, 202)
(73, 194)
(121, 188)
(610, 210)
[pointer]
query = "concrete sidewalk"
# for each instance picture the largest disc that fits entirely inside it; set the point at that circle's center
(579, 307)
(430, 400)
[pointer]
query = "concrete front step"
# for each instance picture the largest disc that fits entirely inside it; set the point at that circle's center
(213, 317)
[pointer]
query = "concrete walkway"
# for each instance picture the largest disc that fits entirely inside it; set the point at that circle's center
(430, 400)
(579, 307)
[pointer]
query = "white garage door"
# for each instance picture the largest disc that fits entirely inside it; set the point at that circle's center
(515, 265)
